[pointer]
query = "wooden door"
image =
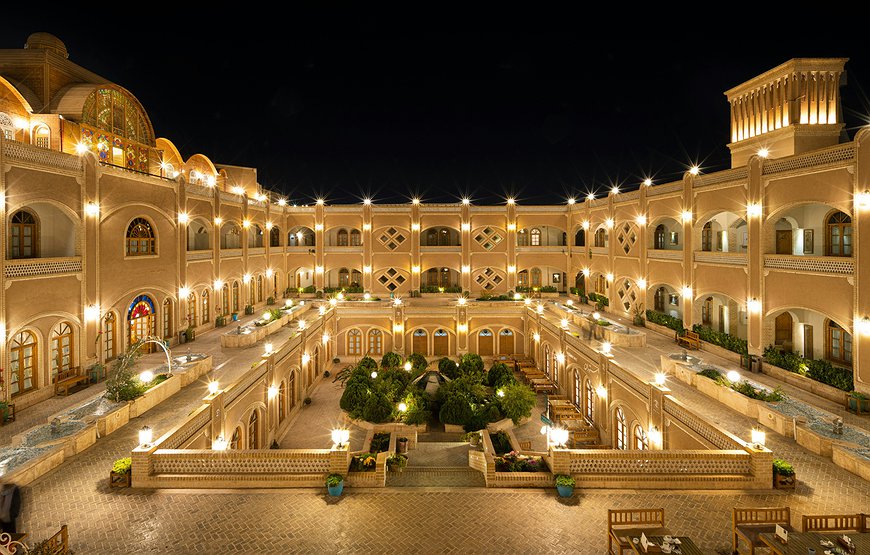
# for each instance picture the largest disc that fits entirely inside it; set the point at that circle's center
(808, 342)
(783, 329)
(783, 241)
(441, 343)
(485, 343)
(506, 342)
(723, 318)
(420, 344)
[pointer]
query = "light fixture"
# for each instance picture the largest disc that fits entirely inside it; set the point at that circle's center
(282, 202)
(863, 326)
(272, 392)
(367, 227)
(536, 337)
(261, 197)
(320, 202)
(753, 210)
(267, 316)
(461, 301)
(374, 374)
(763, 152)
(403, 407)
(81, 148)
(269, 226)
(609, 222)
(340, 436)
(687, 216)
(590, 196)
(641, 283)
(92, 312)
(500, 392)
(754, 305)
(527, 301)
(518, 297)
(318, 269)
(306, 358)
(512, 227)
(218, 283)
(398, 328)
(640, 219)
(415, 269)
(325, 338)
(647, 182)
(407, 366)
(466, 268)
(415, 226)
(596, 316)
(606, 347)
(238, 190)
(466, 226)
(218, 220)
(560, 358)
(572, 201)
(564, 322)
(246, 224)
(322, 309)
(733, 376)
(614, 190)
(462, 328)
(655, 436)
(540, 309)
(146, 436)
(510, 200)
(660, 378)
(511, 269)
(367, 201)
(862, 200)
(758, 438)
(183, 217)
(219, 444)
(687, 292)
(367, 296)
(146, 376)
(288, 303)
(299, 236)
(586, 272)
(183, 292)
(585, 224)
(332, 302)
(569, 302)
(397, 301)
(466, 201)
(213, 387)
(301, 324)
(558, 436)
(268, 348)
(694, 170)
(318, 227)
(601, 391)
(92, 209)
(269, 272)
(415, 200)
(609, 276)
(367, 269)
(246, 278)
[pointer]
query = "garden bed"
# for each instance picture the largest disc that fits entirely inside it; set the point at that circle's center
(154, 396)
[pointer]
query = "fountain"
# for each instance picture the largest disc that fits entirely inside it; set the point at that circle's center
(684, 356)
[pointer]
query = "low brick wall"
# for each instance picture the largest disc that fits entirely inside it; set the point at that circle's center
(35, 468)
(851, 461)
(155, 396)
(807, 384)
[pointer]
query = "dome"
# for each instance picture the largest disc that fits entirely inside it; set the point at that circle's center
(46, 41)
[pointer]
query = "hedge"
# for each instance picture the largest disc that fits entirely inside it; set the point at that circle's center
(666, 320)
(599, 299)
(724, 340)
(819, 370)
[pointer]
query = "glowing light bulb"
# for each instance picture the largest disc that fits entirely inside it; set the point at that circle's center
(641, 220)
(466, 201)
(92, 209)
(606, 347)
(183, 292)
(609, 277)
(218, 283)
(694, 170)
(81, 148)
(511, 269)
(461, 301)
(397, 301)
(572, 201)
(527, 301)
(754, 305)
(733, 376)
(641, 283)
(218, 220)
(586, 272)
(585, 224)
(146, 377)
(647, 182)
(367, 201)
(614, 190)
(590, 196)
(536, 337)
(687, 292)
(213, 387)
(246, 278)
(753, 210)
(609, 222)
(282, 202)
(367, 296)
(415, 200)
(687, 216)
(763, 152)
(306, 358)
(403, 407)
(660, 378)
(272, 392)
(601, 391)
(320, 202)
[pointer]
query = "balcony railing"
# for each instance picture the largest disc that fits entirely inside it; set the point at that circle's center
(199, 255)
(231, 253)
(601, 251)
(663, 254)
(832, 265)
(30, 154)
(253, 251)
(440, 248)
(542, 248)
(32, 267)
(715, 257)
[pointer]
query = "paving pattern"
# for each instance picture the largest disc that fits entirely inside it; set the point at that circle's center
(443, 519)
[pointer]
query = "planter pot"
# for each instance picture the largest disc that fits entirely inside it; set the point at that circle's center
(119, 480)
(565, 491)
(395, 468)
(402, 447)
(335, 491)
(784, 482)
(859, 406)
(475, 440)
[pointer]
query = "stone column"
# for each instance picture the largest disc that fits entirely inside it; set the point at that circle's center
(755, 258)
(465, 239)
(319, 235)
(861, 257)
(511, 210)
(688, 251)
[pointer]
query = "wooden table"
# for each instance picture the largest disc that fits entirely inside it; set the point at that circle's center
(799, 542)
(687, 546)
(542, 384)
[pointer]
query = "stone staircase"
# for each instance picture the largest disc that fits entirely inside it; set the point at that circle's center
(440, 460)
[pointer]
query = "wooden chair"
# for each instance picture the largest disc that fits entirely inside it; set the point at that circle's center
(834, 523)
(69, 378)
(748, 523)
(622, 523)
(690, 340)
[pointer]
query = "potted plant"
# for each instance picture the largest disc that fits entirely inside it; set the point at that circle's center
(638, 315)
(473, 438)
(4, 411)
(565, 485)
(235, 316)
(335, 484)
(783, 475)
(858, 402)
(119, 476)
(249, 309)
(220, 321)
(190, 333)
(396, 462)
(270, 300)
(402, 445)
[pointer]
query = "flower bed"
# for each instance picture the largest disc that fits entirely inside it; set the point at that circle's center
(665, 320)
(819, 370)
(380, 442)
(515, 462)
(364, 462)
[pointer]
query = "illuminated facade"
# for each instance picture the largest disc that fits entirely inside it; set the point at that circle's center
(110, 234)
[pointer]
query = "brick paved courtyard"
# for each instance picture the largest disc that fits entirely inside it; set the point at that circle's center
(396, 519)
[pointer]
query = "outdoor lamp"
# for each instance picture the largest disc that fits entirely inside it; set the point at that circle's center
(407, 366)
(333, 301)
(540, 309)
(536, 336)
(660, 378)
(461, 301)
(219, 444)
(367, 296)
(596, 315)
(267, 316)
(733, 376)
(212, 387)
(564, 322)
(569, 302)
(527, 301)
(500, 392)
(146, 436)
(340, 436)
(558, 436)
(301, 324)
(268, 347)
(146, 377)
(272, 392)
(374, 374)
(758, 438)
(403, 407)
(306, 358)
(606, 347)
(601, 391)
(288, 303)
(655, 435)
(325, 338)
(321, 310)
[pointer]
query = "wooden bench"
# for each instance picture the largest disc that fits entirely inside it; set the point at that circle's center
(69, 378)
(690, 340)
(585, 438)
(622, 523)
(834, 523)
(749, 523)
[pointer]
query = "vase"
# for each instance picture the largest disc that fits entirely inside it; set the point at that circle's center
(565, 491)
(335, 491)
(403, 447)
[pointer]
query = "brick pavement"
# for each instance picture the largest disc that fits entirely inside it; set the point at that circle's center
(424, 520)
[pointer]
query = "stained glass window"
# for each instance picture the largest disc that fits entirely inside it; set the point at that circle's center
(140, 238)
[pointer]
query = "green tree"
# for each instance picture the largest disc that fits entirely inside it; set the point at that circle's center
(500, 375)
(391, 360)
(448, 368)
(517, 402)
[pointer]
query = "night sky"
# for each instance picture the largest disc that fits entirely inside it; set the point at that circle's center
(348, 104)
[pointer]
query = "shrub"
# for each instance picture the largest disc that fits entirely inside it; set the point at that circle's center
(501, 443)
(471, 365)
(391, 360)
(724, 340)
(666, 320)
(819, 370)
(397, 460)
(515, 462)
(549, 289)
(448, 368)
(356, 393)
(270, 300)
(122, 466)
(334, 479)
(711, 373)
(782, 468)
(499, 375)
(378, 408)
(309, 289)
(418, 362)
(599, 300)
(380, 442)
(746, 388)
(517, 402)
(368, 364)
(455, 410)
(565, 480)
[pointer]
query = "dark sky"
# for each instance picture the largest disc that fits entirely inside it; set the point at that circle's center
(444, 103)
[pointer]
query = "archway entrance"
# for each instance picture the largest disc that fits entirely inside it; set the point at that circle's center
(441, 342)
(506, 342)
(485, 343)
(784, 331)
(420, 343)
(141, 321)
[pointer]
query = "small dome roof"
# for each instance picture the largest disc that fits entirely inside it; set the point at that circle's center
(46, 41)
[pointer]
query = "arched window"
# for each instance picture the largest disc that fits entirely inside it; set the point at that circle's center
(343, 278)
(291, 390)
(523, 279)
(42, 137)
(7, 127)
(420, 342)
(274, 237)
(355, 238)
(117, 113)
(252, 285)
(440, 343)
(601, 285)
(354, 342)
(167, 319)
(282, 402)
(555, 369)
(536, 277)
(109, 337)
(578, 391)
(838, 343)
(506, 341)
(839, 236)
(236, 296)
(300, 237)
(197, 236)
(254, 431)
(205, 306)
(61, 349)
(536, 237)
(259, 289)
(590, 402)
(376, 342)
(600, 237)
(707, 312)
(660, 234)
(523, 238)
(236, 440)
(140, 238)
(23, 362)
(191, 309)
(580, 238)
(225, 300)
(621, 430)
(641, 441)
(659, 300)
(255, 236)
(547, 360)
(140, 319)
(231, 236)
(342, 237)
(23, 235)
(707, 237)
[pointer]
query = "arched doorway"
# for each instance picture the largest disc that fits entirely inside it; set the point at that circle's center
(141, 324)
(441, 343)
(485, 343)
(420, 343)
(254, 431)
(506, 342)
(783, 331)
